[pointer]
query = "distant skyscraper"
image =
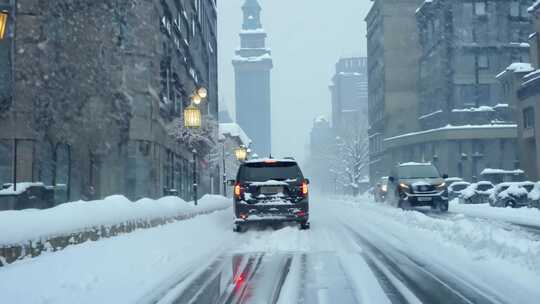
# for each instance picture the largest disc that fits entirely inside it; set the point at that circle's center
(252, 65)
(349, 91)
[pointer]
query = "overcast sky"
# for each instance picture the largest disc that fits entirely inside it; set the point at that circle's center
(307, 37)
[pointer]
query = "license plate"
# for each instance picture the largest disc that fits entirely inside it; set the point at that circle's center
(424, 199)
(271, 189)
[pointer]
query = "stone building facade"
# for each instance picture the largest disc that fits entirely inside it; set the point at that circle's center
(466, 125)
(252, 65)
(99, 87)
(528, 103)
(393, 54)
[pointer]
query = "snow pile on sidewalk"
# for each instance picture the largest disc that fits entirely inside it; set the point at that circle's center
(481, 238)
(32, 225)
(523, 216)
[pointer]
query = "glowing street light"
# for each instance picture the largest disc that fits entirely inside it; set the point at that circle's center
(192, 117)
(196, 99)
(241, 153)
(3, 24)
(202, 92)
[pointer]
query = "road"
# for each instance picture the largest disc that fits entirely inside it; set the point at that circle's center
(339, 259)
(356, 252)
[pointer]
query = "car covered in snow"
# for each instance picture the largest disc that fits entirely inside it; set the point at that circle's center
(476, 193)
(450, 180)
(510, 194)
(455, 189)
(534, 196)
(417, 184)
(270, 191)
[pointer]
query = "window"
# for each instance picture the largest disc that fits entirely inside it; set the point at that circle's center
(483, 61)
(484, 95)
(528, 118)
(514, 9)
(480, 8)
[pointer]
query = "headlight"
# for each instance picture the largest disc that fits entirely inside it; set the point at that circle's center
(441, 185)
(384, 188)
(404, 186)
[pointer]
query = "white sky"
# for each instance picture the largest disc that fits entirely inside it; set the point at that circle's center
(307, 37)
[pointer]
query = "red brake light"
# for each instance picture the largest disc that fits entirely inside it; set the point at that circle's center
(270, 161)
(238, 190)
(305, 188)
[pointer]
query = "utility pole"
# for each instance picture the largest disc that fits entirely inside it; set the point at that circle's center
(224, 173)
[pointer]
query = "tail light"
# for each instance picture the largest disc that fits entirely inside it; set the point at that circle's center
(304, 189)
(238, 191)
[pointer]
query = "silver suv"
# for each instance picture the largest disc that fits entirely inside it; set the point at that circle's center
(418, 184)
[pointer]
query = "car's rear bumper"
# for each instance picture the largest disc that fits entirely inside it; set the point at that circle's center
(271, 213)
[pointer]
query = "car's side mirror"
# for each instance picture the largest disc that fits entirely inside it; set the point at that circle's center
(445, 176)
(391, 179)
(231, 182)
(307, 181)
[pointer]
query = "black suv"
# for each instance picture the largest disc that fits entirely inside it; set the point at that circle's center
(417, 184)
(270, 191)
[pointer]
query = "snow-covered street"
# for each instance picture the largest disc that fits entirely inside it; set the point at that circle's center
(356, 252)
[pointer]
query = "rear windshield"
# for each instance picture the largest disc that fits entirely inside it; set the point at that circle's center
(411, 172)
(484, 187)
(459, 187)
(262, 172)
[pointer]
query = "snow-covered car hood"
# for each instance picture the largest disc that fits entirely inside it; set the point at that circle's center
(422, 181)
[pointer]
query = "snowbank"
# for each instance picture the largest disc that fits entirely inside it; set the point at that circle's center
(481, 238)
(33, 225)
(523, 216)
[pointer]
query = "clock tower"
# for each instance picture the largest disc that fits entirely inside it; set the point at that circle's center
(252, 65)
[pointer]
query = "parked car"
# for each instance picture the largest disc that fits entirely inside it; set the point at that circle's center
(381, 189)
(450, 180)
(270, 191)
(417, 184)
(455, 189)
(476, 193)
(511, 194)
(534, 196)
(26, 196)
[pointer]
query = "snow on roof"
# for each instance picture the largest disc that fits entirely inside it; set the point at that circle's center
(501, 171)
(479, 109)
(252, 59)
(415, 164)
(253, 31)
(535, 6)
(321, 118)
(517, 67)
(21, 187)
(430, 114)
(276, 160)
(451, 127)
(233, 129)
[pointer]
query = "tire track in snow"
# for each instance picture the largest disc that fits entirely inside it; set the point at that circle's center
(427, 285)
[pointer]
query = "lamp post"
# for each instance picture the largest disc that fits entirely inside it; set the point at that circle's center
(224, 170)
(195, 185)
(193, 119)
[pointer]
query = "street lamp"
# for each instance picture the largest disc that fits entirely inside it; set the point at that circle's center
(192, 117)
(3, 24)
(202, 92)
(241, 153)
